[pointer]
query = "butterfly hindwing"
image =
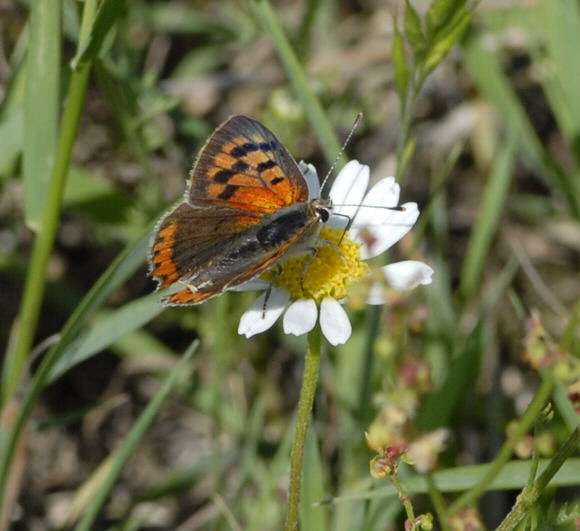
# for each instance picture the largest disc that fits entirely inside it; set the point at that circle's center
(185, 239)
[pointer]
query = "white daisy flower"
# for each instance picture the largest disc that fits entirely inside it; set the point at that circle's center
(309, 289)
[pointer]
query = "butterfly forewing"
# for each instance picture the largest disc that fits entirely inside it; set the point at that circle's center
(243, 165)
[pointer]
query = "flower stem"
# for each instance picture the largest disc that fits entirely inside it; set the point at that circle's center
(309, 381)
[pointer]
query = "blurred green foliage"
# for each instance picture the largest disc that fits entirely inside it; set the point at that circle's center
(474, 104)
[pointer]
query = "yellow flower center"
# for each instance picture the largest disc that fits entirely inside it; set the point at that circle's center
(328, 273)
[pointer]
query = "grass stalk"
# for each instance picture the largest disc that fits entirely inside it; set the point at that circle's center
(530, 416)
(298, 78)
(36, 272)
(530, 494)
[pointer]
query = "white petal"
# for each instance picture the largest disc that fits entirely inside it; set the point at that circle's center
(334, 322)
(376, 295)
(311, 178)
(408, 274)
(349, 188)
(256, 284)
(387, 228)
(258, 319)
(300, 317)
(383, 193)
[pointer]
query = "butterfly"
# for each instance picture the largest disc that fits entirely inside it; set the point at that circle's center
(246, 208)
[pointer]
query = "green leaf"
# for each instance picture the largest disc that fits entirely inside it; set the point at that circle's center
(445, 40)
(41, 107)
(413, 28)
(104, 22)
(440, 12)
(96, 197)
(400, 65)
(438, 407)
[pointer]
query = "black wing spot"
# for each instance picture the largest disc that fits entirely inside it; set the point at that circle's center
(223, 176)
(263, 166)
(240, 166)
(268, 146)
(229, 190)
(244, 149)
(276, 180)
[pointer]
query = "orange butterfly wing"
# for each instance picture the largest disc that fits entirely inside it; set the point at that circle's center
(244, 166)
(242, 174)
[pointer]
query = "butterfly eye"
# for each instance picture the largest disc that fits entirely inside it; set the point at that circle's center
(323, 213)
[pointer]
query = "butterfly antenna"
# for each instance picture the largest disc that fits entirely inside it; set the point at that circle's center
(356, 123)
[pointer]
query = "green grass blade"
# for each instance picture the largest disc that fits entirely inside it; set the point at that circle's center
(41, 109)
(11, 140)
(298, 78)
(115, 275)
(122, 455)
(514, 475)
(105, 331)
(312, 488)
(559, 22)
(34, 286)
(490, 212)
(438, 407)
(484, 68)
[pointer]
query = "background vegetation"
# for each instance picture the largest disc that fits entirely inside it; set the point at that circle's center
(117, 414)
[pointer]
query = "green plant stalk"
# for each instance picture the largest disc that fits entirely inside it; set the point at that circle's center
(305, 402)
(405, 500)
(406, 145)
(531, 493)
(295, 72)
(438, 501)
(30, 306)
(530, 416)
(36, 272)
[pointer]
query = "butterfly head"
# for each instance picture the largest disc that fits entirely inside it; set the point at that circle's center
(322, 209)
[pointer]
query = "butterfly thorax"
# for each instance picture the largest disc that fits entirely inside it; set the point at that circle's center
(287, 232)
(294, 228)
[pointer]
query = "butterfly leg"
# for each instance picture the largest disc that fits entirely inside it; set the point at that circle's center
(335, 247)
(313, 252)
